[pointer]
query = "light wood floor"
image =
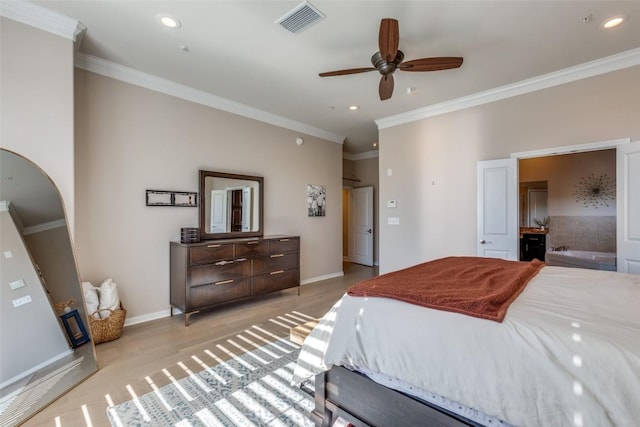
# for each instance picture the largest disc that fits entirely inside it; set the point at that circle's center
(144, 350)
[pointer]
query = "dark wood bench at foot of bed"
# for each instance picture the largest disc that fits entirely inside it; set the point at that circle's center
(363, 402)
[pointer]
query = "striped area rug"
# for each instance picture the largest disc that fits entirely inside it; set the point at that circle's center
(249, 389)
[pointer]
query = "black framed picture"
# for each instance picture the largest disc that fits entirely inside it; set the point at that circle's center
(171, 198)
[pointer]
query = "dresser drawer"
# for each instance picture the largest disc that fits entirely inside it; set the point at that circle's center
(275, 262)
(206, 254)
(275, 281)
(220, 271)
(286, 244)
(252, 248)
(212, 294)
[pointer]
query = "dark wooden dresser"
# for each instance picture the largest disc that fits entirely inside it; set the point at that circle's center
(214, 272)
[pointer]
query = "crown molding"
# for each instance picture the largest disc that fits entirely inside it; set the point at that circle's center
(44, 226)
(148, 81)
(361, 156)
(570, 149)
(630, 58)
(41, 18)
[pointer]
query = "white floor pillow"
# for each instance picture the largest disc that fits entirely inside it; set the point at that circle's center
(91, 299)
(109, 299)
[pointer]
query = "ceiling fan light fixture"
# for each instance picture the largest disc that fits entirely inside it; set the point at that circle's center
(168, 21)
(614, 21)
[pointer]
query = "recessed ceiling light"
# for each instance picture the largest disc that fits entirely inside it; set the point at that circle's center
(353, 107)
(614, 21)
(168, 21)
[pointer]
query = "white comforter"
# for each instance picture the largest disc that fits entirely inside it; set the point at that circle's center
(566, 354)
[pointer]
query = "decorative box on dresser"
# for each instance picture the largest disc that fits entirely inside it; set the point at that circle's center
(214, 272)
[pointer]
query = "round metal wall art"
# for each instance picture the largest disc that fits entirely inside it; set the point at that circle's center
(594, 192)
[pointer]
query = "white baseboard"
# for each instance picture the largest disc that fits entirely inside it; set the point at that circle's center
(166, 313)
(35, 368)
(149, 317)
(319, 278)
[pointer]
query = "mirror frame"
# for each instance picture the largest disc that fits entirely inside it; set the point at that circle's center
(203, 206)
(75, 292)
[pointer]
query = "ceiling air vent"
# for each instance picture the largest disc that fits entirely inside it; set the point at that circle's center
(302, 16)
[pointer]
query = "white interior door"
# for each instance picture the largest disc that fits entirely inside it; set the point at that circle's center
(628, 207)
(498, 209)
(219, 211)
(361, 226)
(246, 209)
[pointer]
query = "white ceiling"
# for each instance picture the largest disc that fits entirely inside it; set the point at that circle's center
(237, 52)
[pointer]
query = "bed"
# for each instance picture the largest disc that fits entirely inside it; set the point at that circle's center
(566, 353)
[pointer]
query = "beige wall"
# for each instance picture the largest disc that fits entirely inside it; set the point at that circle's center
(36, 89)
(563, 173)
(129, 139)
(434, 160)
(41, 339)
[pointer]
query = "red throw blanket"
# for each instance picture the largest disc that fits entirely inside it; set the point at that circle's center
(479, 287)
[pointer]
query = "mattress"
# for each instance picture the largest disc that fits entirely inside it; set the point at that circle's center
(567, 352)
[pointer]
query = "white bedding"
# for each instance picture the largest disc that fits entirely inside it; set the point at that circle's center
(566, 354)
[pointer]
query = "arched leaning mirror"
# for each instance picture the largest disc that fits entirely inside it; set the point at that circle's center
(40, 292)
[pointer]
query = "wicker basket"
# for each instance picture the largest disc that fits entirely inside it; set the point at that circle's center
(109, 328)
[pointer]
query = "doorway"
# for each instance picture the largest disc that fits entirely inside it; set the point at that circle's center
(497, 191)
(554, 188)
(358, 225)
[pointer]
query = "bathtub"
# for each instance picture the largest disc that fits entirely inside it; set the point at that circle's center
(582, 259)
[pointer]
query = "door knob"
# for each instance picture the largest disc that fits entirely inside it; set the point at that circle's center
(369, 231)
(483, 242)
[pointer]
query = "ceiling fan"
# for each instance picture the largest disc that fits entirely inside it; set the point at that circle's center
(389, 59)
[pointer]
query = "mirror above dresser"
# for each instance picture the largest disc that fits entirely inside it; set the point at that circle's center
(231, 205)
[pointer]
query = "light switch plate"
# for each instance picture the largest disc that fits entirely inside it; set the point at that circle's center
(394, 220)
(17, 284)
(22, 300)
(8, 254)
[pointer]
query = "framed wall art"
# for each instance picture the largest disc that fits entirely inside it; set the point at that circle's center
(316, 200)
(171, 198)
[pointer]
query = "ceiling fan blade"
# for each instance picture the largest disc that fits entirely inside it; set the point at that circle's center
(347, 71)
(386, 87)
(388, 39)
(431, 64)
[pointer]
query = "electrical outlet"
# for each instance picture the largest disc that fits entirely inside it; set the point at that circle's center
(22, 300)
(8, 254)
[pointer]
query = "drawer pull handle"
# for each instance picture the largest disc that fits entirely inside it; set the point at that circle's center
(277, 255)
(284, 240)
(277, 272)
(223, 262)
(213, 246)
(239, 260)
(253, 242)
(224, 282)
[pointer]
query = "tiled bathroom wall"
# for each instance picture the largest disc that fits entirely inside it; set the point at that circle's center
(585, 233)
